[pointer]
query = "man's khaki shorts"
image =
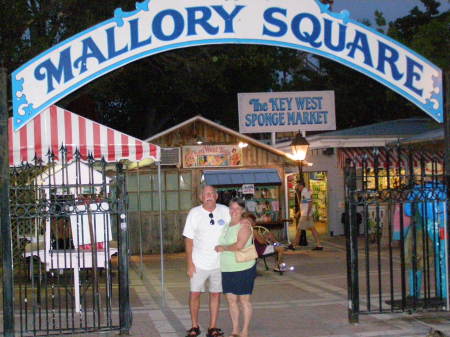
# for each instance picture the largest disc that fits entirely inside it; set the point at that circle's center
(212, 277)
(305, 223)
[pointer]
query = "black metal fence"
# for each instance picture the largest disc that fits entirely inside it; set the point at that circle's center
(70, 246)
(396, 229)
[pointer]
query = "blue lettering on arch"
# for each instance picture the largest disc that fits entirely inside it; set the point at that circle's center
(202, 21)
(328, 36)
(134, 36)
(305, 36)
(391, 59)
(360, 42)
(48, 70)
(54, 73)
(111, 40)
(412, 75)
(178, 25)
(228, 17)
(90, 49)
(269, 18)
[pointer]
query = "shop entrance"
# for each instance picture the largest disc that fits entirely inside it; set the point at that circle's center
(261, 190)
(318, 183)
(262, 200)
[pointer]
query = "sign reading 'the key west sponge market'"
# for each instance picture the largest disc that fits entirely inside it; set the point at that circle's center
(286, 111)
(160, 25)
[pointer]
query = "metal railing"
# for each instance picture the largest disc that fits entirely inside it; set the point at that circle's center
(396, 230)
(70, 246)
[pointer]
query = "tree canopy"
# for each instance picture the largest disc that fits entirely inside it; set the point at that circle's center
(155, 93)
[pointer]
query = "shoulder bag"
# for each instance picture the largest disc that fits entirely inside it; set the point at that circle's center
(248, 253)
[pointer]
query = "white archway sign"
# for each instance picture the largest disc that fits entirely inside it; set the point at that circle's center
(161, 25)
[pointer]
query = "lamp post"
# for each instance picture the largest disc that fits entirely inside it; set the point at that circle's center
(299, 147)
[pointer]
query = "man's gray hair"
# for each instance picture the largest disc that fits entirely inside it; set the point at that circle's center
(202, 188)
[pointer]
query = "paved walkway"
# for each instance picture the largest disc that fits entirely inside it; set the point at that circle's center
(309, 301)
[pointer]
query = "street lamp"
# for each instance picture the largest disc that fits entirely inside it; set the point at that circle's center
(299, 147)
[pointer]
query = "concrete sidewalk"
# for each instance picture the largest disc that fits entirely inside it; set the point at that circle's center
(310, 301)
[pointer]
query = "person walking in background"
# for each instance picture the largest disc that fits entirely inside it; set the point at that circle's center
(238, 278)
(305, 219)
(203, 228)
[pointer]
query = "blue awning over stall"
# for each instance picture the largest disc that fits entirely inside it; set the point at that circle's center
(240, 177)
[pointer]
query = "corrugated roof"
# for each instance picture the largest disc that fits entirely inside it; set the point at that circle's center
(425, 137)
(240, 177)
(396, 128)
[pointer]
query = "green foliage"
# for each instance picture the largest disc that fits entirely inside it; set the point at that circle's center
(417, 30)
(380, 20)
(431, 39)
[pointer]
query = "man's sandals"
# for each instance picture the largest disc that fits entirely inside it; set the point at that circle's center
(212, 332)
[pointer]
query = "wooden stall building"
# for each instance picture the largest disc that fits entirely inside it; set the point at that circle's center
(200, 151)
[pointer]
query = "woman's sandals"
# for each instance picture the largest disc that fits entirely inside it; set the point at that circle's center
(193, 332)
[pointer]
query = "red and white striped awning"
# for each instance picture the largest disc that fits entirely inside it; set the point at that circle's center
(360, 154)
(56, 127)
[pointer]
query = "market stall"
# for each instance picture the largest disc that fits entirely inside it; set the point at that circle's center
(56, 127)
(71, 191)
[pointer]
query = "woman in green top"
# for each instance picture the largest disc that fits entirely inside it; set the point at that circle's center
(238, 278)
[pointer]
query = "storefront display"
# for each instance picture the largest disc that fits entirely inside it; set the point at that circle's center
(386, 178)
(318, 183)
(264, 203)
(292, 202)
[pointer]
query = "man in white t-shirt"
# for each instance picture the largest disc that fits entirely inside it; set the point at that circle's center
(204, 226)
(305, 221)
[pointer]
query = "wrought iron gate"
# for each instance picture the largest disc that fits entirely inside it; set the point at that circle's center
(70, 246)
(396, 230)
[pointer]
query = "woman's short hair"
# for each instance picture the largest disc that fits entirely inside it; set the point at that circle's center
(238, 201)
(249, 216)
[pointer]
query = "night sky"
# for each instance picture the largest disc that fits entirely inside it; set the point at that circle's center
(392, 9)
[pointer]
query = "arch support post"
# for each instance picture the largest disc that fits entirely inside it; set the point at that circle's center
(5, 222)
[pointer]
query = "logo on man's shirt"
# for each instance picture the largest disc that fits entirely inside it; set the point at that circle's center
(221, 222)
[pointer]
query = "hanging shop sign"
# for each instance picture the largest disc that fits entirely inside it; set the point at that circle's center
(160, 25)
(212, 156)
(248, 189)
(286, 111)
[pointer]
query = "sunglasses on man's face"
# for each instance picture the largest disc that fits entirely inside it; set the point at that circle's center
(211, 216)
